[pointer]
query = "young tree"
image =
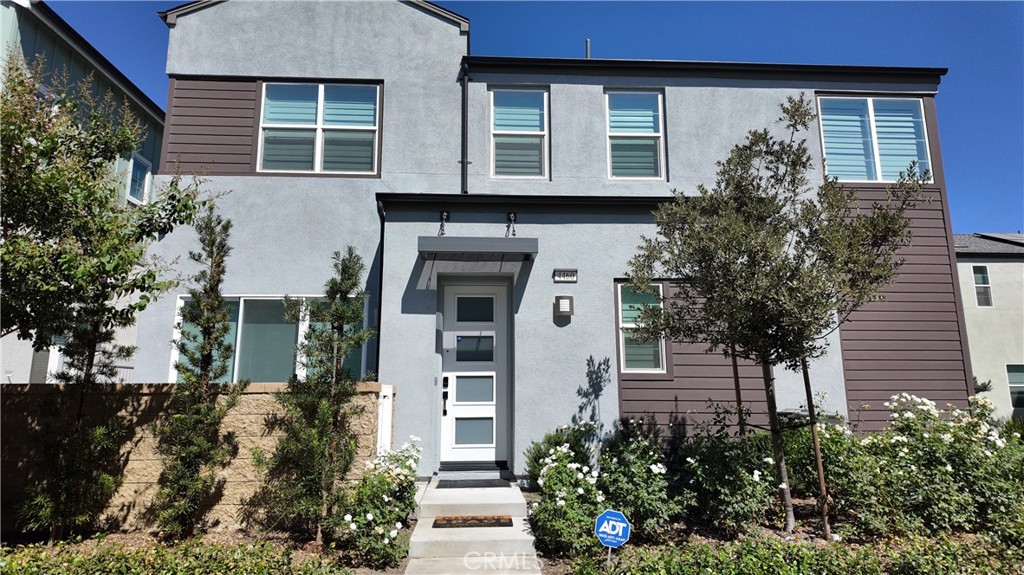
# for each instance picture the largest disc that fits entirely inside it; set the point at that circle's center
(72, 262)
(189, 433)
(765, 262)
(303, 484)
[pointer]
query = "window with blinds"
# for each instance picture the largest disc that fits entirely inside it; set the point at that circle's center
(638, 355)
(330, 128)
(635, 135)
(519, 133)
(873, 139)
(982, 286)
(263, 342)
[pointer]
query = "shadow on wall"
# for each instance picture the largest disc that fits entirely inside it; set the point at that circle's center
(599, 377)
(43, 435)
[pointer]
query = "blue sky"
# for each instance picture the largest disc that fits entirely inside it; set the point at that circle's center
(980, 100)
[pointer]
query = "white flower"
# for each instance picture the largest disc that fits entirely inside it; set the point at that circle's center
(586, 469)
(691, 460)
(658, 469)
(348, 517)
(593, 473)
(369, 516)
(386, 541)
(369, 464)
(579, 490)
(393, 534)
(352, 526)
(414, 438)
(769, 461)
(600, 497)
(783, 485)
(560, 502)
(398, 525)
(757, 475)
(386, 498)
(949, 467)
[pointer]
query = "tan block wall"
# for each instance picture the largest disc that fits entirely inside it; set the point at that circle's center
(127, 509)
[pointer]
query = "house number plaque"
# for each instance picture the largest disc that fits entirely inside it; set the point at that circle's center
(565, 276)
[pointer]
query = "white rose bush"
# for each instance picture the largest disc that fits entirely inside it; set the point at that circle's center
(381, 504)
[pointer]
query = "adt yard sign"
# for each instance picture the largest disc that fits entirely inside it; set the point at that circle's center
(612, 529)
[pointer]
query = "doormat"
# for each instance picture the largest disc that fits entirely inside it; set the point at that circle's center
(470, 483)
(456, 521)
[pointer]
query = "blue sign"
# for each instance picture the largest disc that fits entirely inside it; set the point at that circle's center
(612, 528)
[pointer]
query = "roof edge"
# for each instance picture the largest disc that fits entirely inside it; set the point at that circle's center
(98, 60)
(587, 65)
(170, 17)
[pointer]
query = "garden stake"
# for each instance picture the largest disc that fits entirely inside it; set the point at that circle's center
(739, 396)
(817, 451)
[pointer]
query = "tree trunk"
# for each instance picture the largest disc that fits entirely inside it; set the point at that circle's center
(741, 419)
(780, 457)
(813, 418)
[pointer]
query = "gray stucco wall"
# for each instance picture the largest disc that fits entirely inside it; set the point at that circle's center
(550, 361)
(416, 54)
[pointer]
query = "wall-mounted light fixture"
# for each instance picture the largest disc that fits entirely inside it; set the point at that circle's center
(564, 306)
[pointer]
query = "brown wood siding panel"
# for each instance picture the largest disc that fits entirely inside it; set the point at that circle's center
(913, 340)
(210, 126)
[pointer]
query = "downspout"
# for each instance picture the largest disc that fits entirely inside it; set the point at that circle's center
(380, 283)
(465, 128)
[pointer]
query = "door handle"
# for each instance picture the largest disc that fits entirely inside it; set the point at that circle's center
(444, 403)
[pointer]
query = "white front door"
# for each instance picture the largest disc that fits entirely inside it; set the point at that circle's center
(475, 398)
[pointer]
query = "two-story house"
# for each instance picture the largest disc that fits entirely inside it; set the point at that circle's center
(32, 30)
(992, 267)
(497, 202)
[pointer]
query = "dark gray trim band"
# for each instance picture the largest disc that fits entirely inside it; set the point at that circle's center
(445, 247)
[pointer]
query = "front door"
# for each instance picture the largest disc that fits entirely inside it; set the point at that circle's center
(475, 374)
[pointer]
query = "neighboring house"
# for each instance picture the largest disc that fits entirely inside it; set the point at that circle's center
(32, 29)
(497, 201)
(992, 280)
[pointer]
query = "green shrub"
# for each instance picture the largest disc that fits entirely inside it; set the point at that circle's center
(634, 478)
(187, 559)
(381, 504)
(563, 519)
(920, 556)
(749, 557)
(580, 437)
(730, 479)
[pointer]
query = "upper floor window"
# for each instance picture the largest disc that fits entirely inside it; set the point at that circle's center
(331, 128)
(519, 132)
(873, 139)
(139, 179)
(982, 286)
(638, 355)
(635, 135)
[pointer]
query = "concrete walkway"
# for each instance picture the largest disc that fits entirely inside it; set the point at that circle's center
(486, 550)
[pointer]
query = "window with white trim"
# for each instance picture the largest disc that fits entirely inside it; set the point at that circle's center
(872, 139)
(1015, 377)
(320, 128)
(638, 355)
(519, 133)
(140, 177)
(264, 341)
(635, 134)
(982, 286)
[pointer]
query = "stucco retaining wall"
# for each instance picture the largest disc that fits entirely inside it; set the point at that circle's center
(127, 510)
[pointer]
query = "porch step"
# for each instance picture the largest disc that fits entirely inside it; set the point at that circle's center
(484, 565)
(472, 542)
(454, 550)
(472, 501)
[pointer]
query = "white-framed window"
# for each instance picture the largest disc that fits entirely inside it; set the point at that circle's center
(635, 134)
(872, 139)
(265, 342)
(982, 286)
(638, 355)
(1015, 377)
(140, 178)
(320, 128)
(519, 132)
